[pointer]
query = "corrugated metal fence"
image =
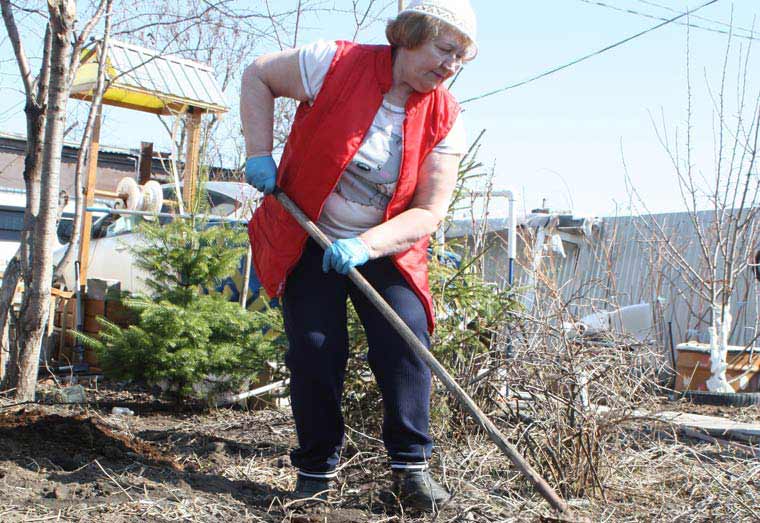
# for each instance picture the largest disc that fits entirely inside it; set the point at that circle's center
(626, 262)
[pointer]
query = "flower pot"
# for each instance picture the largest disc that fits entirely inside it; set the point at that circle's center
(693, 367)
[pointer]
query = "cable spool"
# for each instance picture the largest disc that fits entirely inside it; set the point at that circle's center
(130, 193)
(145, 198)
(153, 197)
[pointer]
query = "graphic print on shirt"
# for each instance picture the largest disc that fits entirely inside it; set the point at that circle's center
(367, 185)
(370, 178)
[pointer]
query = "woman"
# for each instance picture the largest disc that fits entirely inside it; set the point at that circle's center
(372, 157)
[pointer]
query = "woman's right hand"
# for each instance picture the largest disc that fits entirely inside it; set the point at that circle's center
(261, 172)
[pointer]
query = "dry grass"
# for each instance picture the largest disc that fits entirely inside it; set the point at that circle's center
(645, 474)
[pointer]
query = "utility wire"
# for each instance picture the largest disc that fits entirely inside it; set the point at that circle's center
(655, 17)
(584, 58)
(697, 17)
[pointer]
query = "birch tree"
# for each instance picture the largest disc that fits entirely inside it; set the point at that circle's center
(47, 96)
(723, 208)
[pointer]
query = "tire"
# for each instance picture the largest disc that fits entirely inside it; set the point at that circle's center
(723, 399)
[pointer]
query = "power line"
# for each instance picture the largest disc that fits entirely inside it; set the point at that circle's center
(591, 55)
(655, 17)
(704, 19)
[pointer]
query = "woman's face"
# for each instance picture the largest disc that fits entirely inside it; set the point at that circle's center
(429, 65)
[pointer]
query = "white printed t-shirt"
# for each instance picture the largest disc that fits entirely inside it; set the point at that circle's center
(364, 190)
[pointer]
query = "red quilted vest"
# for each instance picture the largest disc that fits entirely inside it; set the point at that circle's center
(323, 140)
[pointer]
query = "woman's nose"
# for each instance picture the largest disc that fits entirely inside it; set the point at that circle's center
(452, 65)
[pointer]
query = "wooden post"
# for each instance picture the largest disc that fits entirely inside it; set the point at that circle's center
(89, 200)
(146, 162)
(192, 156)
(400, 5)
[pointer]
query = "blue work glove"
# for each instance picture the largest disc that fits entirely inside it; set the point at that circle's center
(261, 172)
(343, 255)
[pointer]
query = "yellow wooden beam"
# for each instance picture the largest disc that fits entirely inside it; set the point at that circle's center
(192, 157)
(108, 194)
(58, 293)
(89, 200)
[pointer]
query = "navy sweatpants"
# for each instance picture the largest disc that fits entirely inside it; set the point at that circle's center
(314, 310)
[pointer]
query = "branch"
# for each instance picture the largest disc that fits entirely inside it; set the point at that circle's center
(18, 48)
(83, 35)
(274, 26)
(86, 142)
(298, 22)
(359, 22)
(43, 79)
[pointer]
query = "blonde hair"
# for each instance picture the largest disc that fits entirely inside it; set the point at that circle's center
(411, 30)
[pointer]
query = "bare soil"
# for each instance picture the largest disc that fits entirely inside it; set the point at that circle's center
(81, 463)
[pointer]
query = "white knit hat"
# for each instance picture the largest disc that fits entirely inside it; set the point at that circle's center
(456, 13)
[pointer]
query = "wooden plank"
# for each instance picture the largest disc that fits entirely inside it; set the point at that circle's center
(51, 317)
(229, 400)
(713, 425)
(61, 293)
(62, 336)
(745, 449)
(192, 157)
(115, 103)
(108, 194)
(89, 200)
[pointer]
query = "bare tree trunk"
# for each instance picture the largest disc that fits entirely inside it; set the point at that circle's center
(36, 303)
(11, 277)
(35, 109)
(32, 177)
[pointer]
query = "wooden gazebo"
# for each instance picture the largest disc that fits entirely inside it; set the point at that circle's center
(147, 81)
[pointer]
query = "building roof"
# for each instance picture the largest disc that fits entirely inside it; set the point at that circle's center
(564, 221)
(145, 80)
(17, 142)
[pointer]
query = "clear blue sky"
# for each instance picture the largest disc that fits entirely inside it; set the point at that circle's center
(561, 138)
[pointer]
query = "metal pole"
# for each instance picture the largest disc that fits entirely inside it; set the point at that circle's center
(673, 359)
(425, 355)
(246, 278)
(79, 365)
(512, 238)
(127, 212)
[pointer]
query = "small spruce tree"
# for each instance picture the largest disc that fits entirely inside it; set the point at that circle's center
(186, 333)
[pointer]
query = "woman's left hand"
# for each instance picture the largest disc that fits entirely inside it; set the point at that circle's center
(344, 255)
